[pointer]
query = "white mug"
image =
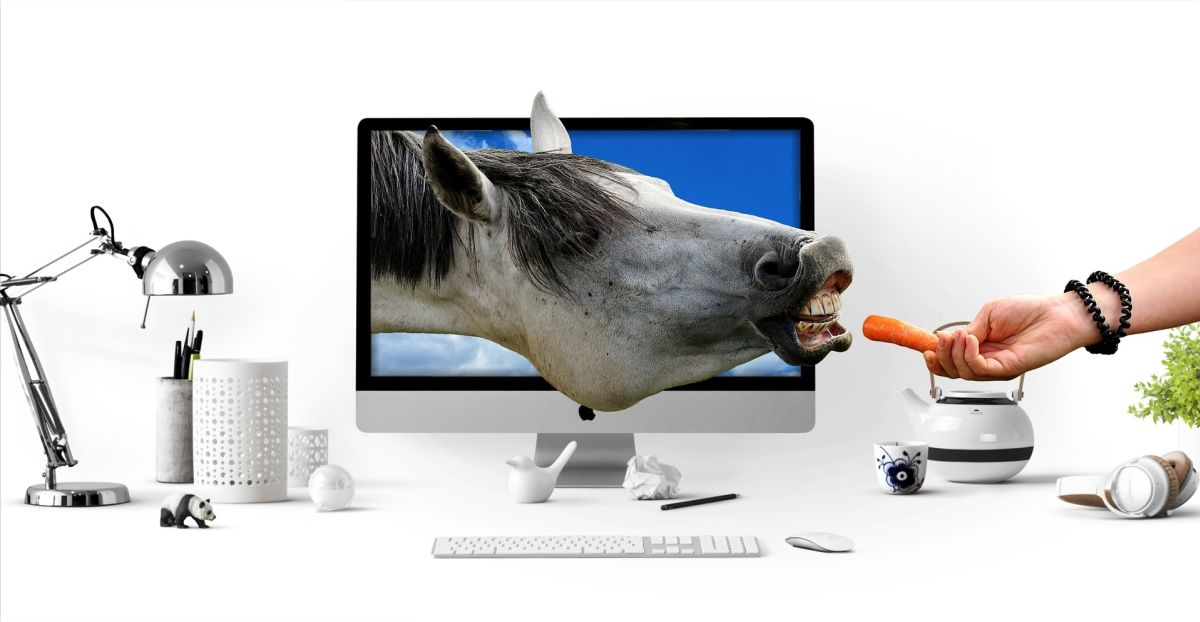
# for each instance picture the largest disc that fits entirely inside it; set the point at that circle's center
(900, 465)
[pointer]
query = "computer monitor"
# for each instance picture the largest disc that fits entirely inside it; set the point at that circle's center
(498, 292)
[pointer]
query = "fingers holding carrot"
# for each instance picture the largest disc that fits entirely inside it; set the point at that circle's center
(958, 355)
(952, 354)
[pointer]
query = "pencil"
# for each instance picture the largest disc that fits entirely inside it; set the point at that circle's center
(689, 503)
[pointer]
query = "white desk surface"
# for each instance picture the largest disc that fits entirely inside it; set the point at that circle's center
(987, 552)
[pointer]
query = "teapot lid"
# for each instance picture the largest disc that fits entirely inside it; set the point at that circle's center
(975, 397)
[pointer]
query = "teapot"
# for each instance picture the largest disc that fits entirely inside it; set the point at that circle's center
(973, 436)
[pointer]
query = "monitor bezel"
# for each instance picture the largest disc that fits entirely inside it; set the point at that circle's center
(365, 381)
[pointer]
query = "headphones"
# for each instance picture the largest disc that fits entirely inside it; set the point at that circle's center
(1146, 487)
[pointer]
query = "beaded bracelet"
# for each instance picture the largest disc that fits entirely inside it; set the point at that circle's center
(1109, 339)
(1122, 293)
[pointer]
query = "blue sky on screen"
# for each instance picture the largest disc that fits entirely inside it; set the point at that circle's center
(750, 171)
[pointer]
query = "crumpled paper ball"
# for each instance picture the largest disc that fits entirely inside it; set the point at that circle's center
(647, 478)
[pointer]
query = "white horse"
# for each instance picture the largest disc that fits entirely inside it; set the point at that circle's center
(614, 288)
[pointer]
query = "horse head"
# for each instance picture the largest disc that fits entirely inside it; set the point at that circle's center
(613, 287)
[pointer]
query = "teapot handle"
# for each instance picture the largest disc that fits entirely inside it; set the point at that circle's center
(936, 392)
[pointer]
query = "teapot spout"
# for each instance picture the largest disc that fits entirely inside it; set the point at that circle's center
(916, 407)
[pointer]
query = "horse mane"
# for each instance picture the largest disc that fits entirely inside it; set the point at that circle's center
(555, 211)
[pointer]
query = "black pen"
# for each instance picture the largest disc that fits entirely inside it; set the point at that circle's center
(690, 503)
(178, 360)
(198, 341)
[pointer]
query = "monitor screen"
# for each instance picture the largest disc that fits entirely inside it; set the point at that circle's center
(611, 259)
(699, 165)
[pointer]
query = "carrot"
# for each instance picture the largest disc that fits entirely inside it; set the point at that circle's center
(890, 330)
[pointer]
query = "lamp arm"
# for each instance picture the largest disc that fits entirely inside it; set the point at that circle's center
(138, 257)
(37, 392)
(31, 279)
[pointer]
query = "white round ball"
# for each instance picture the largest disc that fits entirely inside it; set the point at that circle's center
(331, 488)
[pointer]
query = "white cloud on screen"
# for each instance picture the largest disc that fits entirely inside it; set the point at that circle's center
(765, 365)
(421, 354)
(520, 140)
(444, 355)
(515, 140)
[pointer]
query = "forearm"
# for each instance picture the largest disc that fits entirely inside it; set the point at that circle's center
(1165, 291)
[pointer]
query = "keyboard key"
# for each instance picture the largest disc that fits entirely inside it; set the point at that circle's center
(721, 543)
(751, 544)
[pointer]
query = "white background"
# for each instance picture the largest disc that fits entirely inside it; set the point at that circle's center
(964, 151)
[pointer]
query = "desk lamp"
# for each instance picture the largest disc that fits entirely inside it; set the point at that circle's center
(185, 268)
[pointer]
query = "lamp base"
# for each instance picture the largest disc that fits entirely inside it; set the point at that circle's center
(77, 494)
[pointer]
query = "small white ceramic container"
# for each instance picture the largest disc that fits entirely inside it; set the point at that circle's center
(900, 466)
(308, 448)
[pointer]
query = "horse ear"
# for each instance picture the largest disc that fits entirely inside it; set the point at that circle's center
(546, 129)
(456, 180)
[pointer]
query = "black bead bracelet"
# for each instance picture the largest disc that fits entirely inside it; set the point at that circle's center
(1109, 339)
(1122, 293)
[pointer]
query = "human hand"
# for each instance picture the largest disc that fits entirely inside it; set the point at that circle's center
(1011, 336)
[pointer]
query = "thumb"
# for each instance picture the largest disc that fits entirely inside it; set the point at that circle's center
(979, 325)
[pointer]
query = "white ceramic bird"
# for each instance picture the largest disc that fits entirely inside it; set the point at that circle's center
(530, 483)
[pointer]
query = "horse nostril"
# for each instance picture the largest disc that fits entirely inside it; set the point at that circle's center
(774, 272)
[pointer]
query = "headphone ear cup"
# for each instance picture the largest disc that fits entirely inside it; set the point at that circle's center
(1185, 472)
(1173, 479)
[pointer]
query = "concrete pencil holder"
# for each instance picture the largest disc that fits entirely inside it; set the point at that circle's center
(240, 422)
(173, 436)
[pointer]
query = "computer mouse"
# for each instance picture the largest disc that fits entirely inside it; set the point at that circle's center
(821, 541)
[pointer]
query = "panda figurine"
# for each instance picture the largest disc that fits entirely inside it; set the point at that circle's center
(177, 508)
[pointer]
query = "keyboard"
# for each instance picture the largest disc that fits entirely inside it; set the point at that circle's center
(596, 546)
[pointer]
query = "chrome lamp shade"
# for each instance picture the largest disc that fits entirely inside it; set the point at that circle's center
(187, 268)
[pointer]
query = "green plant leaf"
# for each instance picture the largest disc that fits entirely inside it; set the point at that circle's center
(1174, 395)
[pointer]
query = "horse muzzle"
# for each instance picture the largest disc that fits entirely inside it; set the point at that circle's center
(806, 328)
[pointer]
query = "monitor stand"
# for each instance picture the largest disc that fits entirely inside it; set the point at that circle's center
(599, 460)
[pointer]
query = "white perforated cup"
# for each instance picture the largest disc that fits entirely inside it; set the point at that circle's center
(308, 448)
(239, 430)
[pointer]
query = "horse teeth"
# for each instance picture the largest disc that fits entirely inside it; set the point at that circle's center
(813, 327)
(824, 304)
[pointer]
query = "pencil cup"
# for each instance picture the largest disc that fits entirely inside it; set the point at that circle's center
(308, 448)
(240, 424)
(173, 445)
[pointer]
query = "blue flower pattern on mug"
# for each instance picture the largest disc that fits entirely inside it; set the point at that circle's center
(900, 473)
